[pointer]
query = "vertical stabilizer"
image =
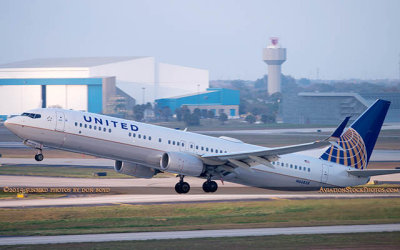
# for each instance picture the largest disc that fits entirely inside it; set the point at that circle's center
(356, 144)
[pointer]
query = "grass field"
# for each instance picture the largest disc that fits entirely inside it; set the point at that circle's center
(195, 216)
(389, 240)
(67, 171)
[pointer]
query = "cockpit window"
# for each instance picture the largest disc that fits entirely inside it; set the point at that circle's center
(32, 115)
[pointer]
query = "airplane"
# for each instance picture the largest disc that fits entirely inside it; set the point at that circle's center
(144, 150)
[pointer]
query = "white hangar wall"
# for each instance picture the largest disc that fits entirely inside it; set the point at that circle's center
(23, 98)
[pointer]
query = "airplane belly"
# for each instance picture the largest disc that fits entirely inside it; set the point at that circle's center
(270, 180)
(47, 137)
(113, 150)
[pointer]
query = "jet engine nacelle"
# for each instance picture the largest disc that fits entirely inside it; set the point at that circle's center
(181, 163)
(133, 169)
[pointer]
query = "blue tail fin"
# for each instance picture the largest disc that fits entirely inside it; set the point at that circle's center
(356, 144)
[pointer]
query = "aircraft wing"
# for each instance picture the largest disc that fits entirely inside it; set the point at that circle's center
(265, 156)
(372, 172)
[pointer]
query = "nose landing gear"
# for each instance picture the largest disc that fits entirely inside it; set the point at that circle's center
(39, 156)
(182, 187)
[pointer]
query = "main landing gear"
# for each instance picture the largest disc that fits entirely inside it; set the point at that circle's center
(182, 187)
(210, 186)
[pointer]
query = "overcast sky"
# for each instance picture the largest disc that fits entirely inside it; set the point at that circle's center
(343, 39)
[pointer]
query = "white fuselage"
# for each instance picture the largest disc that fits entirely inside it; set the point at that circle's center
(144, 144)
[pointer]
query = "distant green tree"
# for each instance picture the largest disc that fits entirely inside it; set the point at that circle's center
(179, 114)
(210, 114)
(251, 119)
(191, 119)
(223, 118)
(204, 113)
(197, 111)
(166, 113)
(268, 118)
(138, 112)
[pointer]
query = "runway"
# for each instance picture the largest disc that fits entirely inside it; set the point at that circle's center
(143, 199)
(283, 130)
(198, 234)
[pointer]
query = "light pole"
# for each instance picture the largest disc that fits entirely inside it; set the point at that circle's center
(143, 93)
(198, 96)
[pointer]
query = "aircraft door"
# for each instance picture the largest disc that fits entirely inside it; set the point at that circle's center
(60, 121)
(325, 173)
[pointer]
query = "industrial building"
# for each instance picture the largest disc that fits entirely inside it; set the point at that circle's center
(90, 83)
(274, 56)
(218, 100)
(332, 107)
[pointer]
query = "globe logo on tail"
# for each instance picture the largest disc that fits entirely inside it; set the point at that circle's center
(349, 151)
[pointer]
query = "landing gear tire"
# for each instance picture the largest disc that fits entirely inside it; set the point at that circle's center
(39, 157)
(210, 186)
(182, 187)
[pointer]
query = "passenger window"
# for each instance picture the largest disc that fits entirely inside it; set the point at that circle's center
(90, 126)
(169, 141)
(207, 149)
(282, 164)
(76, 124)
(202, 148)
(212, 151)
(109, 130)
(159, 139)
(139, 136)
(191, 146)
(149, 138)
(85, 125)
(177, 143)
(173, 142)
(104, 129)
(134, 135)
(99, 128)
(183, 144)
(299, 167)
(144, 137)
(94, 127)
(295, 166)
(130, 134)
(80, 124)
(197, 147)
(309, 169)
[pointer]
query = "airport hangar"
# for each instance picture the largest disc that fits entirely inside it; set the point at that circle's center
(331, 107)
(89, 83)
(218, 100)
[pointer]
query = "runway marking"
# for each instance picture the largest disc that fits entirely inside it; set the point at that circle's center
(198, 234)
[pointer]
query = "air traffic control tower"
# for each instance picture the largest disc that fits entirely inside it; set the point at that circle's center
(274, 56)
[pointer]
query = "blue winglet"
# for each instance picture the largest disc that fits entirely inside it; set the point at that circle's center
(339, 130)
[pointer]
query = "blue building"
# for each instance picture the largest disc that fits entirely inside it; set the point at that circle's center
(218, 100)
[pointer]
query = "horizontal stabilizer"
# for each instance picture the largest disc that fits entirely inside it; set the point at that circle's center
(373, 172)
